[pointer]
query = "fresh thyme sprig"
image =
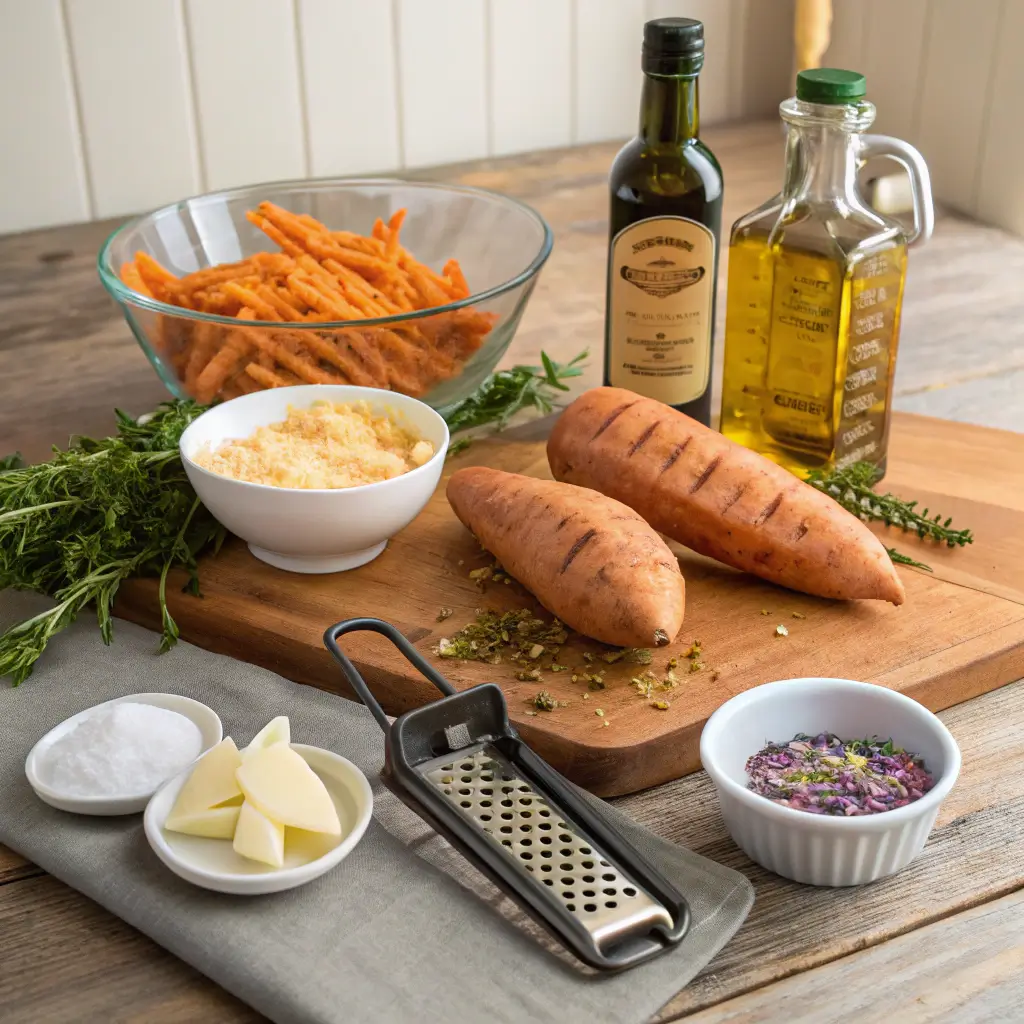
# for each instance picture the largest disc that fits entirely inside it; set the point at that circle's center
(73, 528)
(851, 487)
(507, 392)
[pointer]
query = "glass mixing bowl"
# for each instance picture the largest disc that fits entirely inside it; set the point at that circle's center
(440, 355)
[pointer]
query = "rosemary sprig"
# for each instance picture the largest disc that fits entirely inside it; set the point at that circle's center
(73, 528)
(507, 392)
(852, 488)
(900, 559)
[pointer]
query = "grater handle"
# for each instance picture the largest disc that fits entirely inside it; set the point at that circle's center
(357, 682)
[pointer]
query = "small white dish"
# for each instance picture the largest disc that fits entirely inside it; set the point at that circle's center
(131, 803)
(306, 529)
(813, 848)
(213, 863)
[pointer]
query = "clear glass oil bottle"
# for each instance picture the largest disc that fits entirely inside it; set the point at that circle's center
(816, 288)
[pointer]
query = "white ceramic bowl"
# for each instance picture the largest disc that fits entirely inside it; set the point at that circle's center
(813, 848)
(213, 863)
(313, 530)
(131, 803)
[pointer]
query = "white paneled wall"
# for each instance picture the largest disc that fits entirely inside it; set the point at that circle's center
(108, 107)
(947, 76)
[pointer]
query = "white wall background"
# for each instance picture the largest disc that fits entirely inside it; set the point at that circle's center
(947, 76)
(109, 107)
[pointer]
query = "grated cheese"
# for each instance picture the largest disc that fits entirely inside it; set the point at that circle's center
(322, 446)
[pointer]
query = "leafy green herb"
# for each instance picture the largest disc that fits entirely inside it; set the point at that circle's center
(9, 462)
(852, 488)
(507, 392)
(459, 446)
(900, 559)
(74, 527)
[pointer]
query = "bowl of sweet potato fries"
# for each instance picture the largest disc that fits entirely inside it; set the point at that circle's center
(413, 287)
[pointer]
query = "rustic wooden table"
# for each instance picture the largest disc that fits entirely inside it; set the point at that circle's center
(944, 941)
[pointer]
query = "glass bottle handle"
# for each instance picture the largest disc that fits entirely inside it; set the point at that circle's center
(920, 180)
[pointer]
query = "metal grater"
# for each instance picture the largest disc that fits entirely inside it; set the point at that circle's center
(461, 766)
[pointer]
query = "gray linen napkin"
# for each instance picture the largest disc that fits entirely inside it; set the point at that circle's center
(397, 932)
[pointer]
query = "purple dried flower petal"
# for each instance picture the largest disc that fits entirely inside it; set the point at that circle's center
(818, 775)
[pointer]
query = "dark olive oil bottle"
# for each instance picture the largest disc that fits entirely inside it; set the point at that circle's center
(666, 212)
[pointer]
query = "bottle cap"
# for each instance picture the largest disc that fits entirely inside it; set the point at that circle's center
(673, 37)
(830, 85)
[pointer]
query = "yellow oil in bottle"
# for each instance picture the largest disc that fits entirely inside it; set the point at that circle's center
(810, 347)
(816, 288)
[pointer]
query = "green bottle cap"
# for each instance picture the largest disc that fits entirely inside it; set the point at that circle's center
(830, 85)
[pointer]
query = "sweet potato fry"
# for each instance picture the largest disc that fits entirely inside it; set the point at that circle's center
(394, 227)
(453, 272)
(318, 276)
(266, 377)
(130, 275)
(158, 279)
(223, 365)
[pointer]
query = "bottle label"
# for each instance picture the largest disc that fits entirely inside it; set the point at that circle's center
(660, 291)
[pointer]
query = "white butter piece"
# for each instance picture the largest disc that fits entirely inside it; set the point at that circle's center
(277, 730)
(215, 823)
(259, 838)
(212, 781)
(279, 783)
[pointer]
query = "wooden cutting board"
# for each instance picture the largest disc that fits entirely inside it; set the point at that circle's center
(960, 633)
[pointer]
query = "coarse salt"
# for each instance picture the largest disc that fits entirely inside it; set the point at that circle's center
(121, 750)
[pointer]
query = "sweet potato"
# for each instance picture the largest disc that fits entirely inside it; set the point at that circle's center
(717, 497)
(587, 558)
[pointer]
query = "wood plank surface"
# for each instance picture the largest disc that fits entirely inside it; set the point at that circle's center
(66, 960)
(974, 856)
(946, 644)
(973, 974)
(66, 357)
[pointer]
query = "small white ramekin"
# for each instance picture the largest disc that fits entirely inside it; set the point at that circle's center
(304, 529)
(813, 848)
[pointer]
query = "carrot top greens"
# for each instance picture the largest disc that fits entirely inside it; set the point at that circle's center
(73, 528)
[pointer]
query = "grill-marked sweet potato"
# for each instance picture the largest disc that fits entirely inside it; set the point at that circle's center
(717, 497)
(588, 559)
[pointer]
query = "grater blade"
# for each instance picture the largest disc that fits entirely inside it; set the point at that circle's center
(550, 850)
(462, 767)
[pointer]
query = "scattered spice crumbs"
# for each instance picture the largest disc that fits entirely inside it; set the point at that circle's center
(781, 630)
(632, 655)
(764, 611)
(599, 712)
(661, 705)
(489, 573)
(645, 683)
(799, 615)
(493, 637)
(445, 613)
(543, 701)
